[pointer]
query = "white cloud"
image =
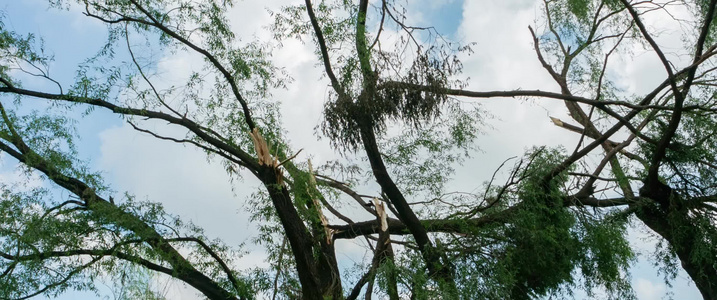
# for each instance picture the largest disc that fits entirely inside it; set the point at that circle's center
(13, 176)
(177, 176)
(504, 59)
(648, 290)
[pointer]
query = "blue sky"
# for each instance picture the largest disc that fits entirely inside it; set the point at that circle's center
(200, 191)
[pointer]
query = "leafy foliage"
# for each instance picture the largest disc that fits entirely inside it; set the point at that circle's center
(396, 114)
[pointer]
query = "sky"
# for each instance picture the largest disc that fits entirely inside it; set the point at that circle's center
(199, 190)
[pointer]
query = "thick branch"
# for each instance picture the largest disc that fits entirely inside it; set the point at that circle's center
(459, 225)
(215, 62)
(103, 208)
(91, 252)
(324, 50)
(195, 128)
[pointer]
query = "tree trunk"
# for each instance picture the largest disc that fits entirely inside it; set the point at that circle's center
(682, 235)
(318, 275)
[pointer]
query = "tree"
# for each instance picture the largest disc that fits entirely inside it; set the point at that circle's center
(398, 105)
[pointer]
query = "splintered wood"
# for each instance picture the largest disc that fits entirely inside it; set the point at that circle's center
(265, 159)
(556, 121)
(381, 211)
(262, 149)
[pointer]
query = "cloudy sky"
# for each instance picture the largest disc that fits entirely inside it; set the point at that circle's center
(182, 179)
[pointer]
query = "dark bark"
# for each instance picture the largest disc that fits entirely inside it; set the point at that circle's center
(183, 270)
(328, 272)
(461, 226)
(382, 254)
(327, 267)
(298, 235)
(396, 227)
(670, 218)
(442, 270)
(678, 230)
(366, 122)
(201, 132)
(313, 280)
